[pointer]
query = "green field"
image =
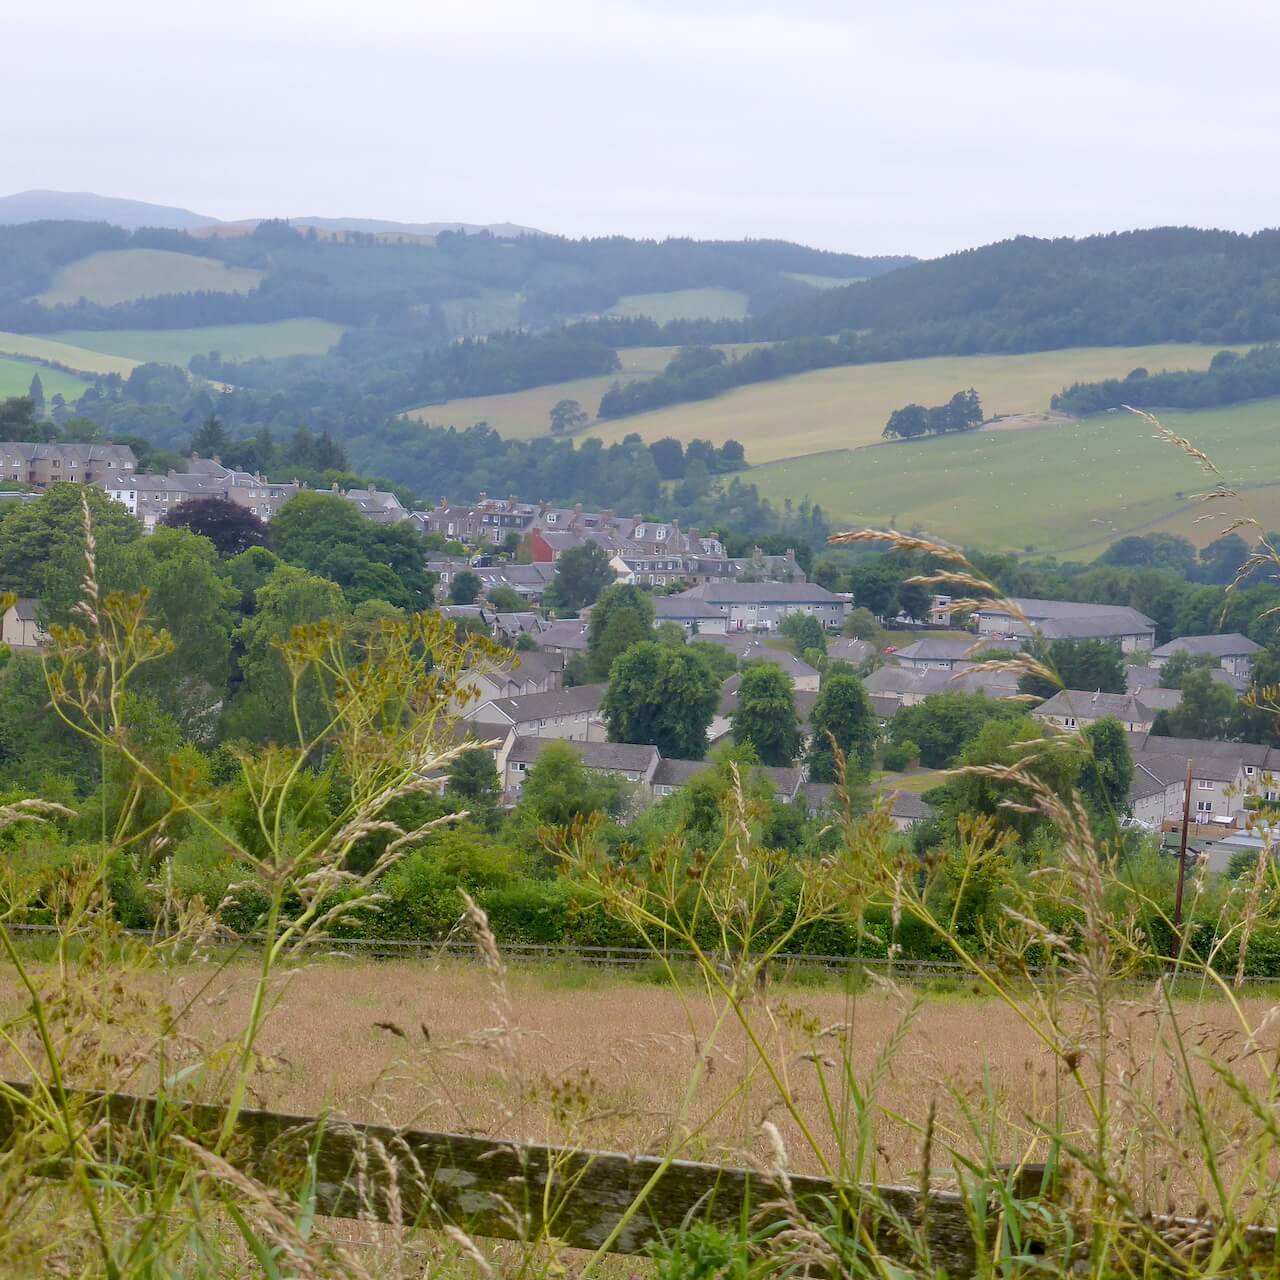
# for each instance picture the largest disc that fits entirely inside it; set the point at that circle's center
(847, 407)
(61, 351)
(1072, 487)
(684, 304)
(232, 341)
(15, 380)
(121, 275)
(822, 282)
(521, 415)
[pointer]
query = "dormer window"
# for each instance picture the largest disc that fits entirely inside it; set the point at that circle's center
(662, 533)
(551, 518)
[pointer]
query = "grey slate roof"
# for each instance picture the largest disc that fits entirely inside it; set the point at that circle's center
(762, 593)
(622, 757)
(680, 607)
(940, 648)
(1082, 705)
(543, 706)
(846, 649)
(1231, 645)
(568, 633)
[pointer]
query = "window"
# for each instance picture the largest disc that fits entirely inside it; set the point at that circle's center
(1204, 806)
(1249, 770)
(1203, 784)
(1069, 721)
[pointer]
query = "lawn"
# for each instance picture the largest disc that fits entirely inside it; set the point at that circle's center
(15, 380)
(233, 341)
(61, 350)
(684, 304)
(520, 415)
(848, 407)
(121, 275)
(1073, 487)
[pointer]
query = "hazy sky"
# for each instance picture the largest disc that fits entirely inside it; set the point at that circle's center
(867, 125)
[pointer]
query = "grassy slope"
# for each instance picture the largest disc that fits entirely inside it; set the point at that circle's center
(1059, 488)
(521, 415)
(233, 341)
(120, 275)
(848, 407)
(711, 303)
(62, 351)
(15, 380)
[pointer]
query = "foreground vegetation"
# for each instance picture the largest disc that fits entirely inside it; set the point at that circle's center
(1140, 1099)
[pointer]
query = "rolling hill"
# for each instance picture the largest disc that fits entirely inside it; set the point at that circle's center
(63, 350)
(232, 341)
(85, 206)
(15, 380)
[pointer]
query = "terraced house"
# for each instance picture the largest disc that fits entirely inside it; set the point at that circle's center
(40, 465)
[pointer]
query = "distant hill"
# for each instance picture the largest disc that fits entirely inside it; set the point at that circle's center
(379, 227)
(85, 206)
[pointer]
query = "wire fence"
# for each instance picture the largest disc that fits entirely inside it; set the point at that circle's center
(904, 969)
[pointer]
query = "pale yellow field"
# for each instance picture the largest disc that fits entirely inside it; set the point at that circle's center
(78, 358)
(521, 415)
(121, 275)
(847, 407)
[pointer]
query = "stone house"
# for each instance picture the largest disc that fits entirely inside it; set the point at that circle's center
(761, 606)
(1232, 652)
(1134, 632)
(41, 464)
(19, 628)
(1077, 709)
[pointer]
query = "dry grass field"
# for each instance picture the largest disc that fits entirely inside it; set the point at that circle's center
(521, 415)
(65, 351)
(121, 275)
(603, 1061)
(847, 407)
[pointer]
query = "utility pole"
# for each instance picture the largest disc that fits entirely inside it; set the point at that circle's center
(1182, 867)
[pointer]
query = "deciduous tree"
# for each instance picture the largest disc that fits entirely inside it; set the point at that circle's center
(662, 696)
(843, 712)
(765, 717)
(230, 527)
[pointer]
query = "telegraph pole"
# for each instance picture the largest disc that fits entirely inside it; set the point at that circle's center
(1182, 866)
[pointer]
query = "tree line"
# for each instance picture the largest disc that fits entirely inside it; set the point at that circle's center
(1231, 378)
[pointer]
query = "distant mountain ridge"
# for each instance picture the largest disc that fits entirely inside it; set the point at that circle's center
(87, 206)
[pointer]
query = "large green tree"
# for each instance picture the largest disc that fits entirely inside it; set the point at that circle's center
(189, 594)
(805, 632)
(326, 535)
(765, 717)
(582, 573)
(843, 712)
(1207, 709)
(664, 696)
(263, 708)
(559, 788)
(1093, 665)
(1108, 767)
(42, 543)
(944, 724)
(465, 587)
(613, 599)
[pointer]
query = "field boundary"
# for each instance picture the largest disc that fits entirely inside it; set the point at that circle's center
(620, 958)
(602, 1200)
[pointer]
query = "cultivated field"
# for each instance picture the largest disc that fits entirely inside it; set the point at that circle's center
(521, 415)
(233, 341)
(822, 282)
(847, 407)
(121, 275)
(712, 303)
(1060, 488)
(603, 1060)
(15, 380)
(63, 350)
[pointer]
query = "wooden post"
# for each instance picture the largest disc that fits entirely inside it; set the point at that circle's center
(1176, 944)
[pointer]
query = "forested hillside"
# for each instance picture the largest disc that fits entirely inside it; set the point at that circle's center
(364, 278)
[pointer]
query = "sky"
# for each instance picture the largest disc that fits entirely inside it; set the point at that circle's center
(869, 126)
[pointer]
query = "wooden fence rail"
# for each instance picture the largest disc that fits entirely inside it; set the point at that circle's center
(521, 1191)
